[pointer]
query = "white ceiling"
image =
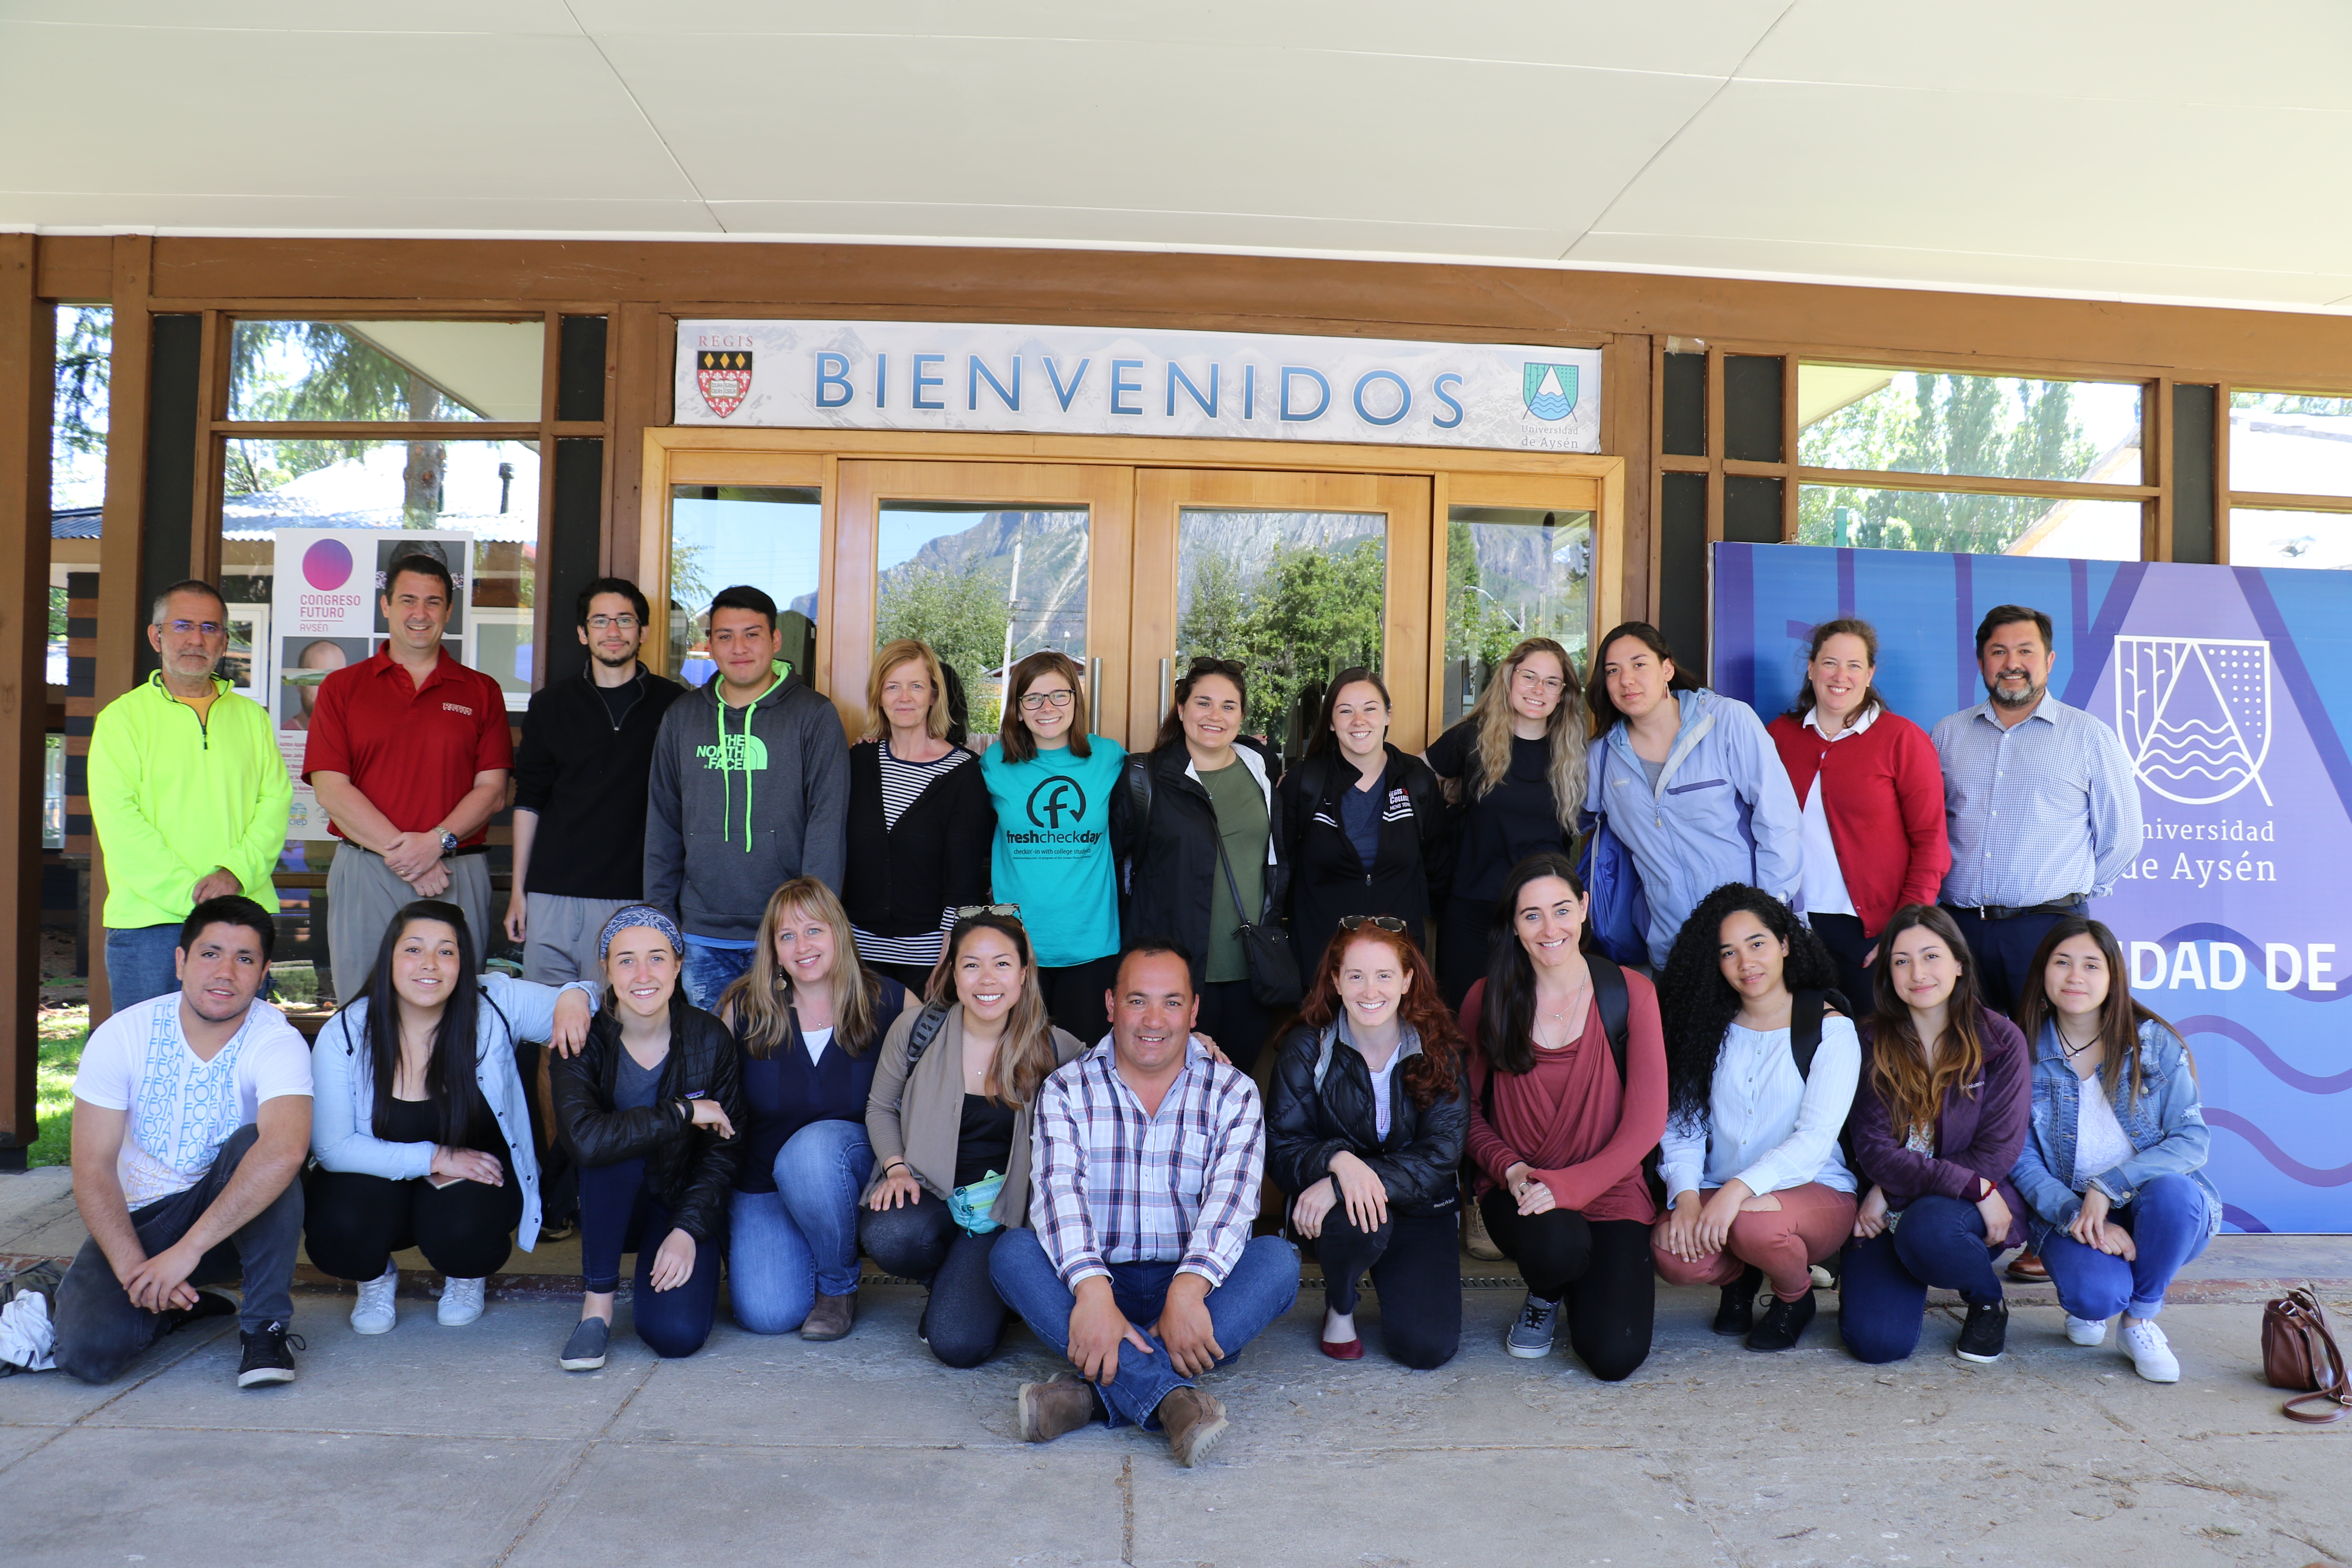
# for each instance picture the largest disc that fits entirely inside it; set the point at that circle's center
(2161, 150)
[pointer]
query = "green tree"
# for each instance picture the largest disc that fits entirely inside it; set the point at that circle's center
(1311, 613)
(1926, 423)
(962, 616)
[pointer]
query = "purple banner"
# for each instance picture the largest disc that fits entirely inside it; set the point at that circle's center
(2231, 688)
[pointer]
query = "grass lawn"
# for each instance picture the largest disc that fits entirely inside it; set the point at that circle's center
(63, 1030)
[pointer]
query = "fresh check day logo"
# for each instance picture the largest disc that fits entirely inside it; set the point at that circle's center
(1056, 809)
(951, 377)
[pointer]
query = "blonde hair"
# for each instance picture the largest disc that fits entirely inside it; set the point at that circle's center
(1013, 735)
(758, 1003)
(889, 656)
(1567, 731)
(1025, 1052)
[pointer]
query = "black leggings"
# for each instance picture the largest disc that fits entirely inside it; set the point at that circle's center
(1462, 928)
(1416, 1266)
(1074, 993)
(1601, 1266)
(964, 1317)
(1235, 1020)
(355, 1224)
(1842, 934)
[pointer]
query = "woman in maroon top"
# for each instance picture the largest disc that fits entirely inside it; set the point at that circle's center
(1557, 1135)
(1938, 1121)
(1873, 794)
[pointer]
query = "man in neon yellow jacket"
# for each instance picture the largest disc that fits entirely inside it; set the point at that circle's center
(188, 793)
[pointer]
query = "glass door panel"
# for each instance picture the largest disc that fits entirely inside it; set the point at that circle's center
(987, 562)
(1298, 575)
(771, 537)
(1511, 573)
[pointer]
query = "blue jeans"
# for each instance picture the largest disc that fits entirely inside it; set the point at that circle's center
(787, 1247)
(618, 1213)
(709, 970)
(139, 964)
(1883, 1296)
(963, 1317)
(1262, 1287)
(2169, 1223)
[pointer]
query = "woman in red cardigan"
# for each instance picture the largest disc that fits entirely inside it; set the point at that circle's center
(1873, 793)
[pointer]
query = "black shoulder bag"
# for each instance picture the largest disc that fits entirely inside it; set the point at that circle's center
(1273, 967)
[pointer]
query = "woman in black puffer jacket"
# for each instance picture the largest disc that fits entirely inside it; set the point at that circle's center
(1369, 1111)
(648, 1108)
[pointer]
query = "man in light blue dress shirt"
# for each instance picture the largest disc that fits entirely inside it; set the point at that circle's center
(2040, 802)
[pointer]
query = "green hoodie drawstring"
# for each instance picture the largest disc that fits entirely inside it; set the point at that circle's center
(782, 672)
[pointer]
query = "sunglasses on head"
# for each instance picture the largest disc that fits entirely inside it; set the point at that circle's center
(966, 912)
(1385, 922)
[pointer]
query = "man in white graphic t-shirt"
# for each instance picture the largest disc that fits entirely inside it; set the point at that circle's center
(191, 1118)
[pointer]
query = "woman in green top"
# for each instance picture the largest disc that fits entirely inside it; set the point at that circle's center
(1051, 783)
(1208, 786)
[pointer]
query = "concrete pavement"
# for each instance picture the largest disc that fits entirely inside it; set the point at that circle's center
(468, 1447)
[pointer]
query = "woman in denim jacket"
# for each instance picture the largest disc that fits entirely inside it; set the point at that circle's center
(2114, 1179)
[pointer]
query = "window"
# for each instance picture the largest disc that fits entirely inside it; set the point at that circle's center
(1974, 522)
(2287, 447)
(1919, 422)
(414, 371)
(770, 538)
(983, 585)
(1511, 573)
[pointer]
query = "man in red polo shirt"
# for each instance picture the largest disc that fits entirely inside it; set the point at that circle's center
(408, 753)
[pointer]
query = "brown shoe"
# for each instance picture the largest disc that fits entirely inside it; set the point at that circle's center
(1475, 1239)
(1050, 1409)
(831, 1317)
(1193, 1422)
(2028, 1269)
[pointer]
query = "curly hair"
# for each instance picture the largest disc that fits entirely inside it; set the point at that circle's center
(1696, 1004)
(1436, 1072)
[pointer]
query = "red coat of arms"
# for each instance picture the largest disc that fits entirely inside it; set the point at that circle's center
(725, 375)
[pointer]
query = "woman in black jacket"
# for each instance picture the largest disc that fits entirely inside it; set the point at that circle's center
(919, 825)
(1203, 787)
(648, 1108)
(1366, 823)
(1370, 1112)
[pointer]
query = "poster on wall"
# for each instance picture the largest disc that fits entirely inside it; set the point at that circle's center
(2232, 690)
(326, 612)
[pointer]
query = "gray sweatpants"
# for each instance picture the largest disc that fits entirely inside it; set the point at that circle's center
(560, 944)
(99, 1332)
(363, 894)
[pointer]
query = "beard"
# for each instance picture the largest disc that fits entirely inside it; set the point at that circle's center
(623, 662)
(2031, 694)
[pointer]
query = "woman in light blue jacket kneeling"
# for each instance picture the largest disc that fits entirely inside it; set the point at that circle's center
(1690, 782)
(418, 1123)
(2113, 1167)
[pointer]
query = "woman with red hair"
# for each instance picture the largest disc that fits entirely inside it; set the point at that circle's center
(1369, 1112)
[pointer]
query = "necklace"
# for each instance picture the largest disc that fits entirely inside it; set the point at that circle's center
(2074, 1050)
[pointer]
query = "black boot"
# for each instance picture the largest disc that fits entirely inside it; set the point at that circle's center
(1784, 1324)
(1736, 1314)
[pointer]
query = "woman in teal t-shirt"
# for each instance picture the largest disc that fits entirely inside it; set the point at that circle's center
(1052, 784)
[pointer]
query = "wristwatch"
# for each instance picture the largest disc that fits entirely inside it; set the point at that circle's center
(448, 844)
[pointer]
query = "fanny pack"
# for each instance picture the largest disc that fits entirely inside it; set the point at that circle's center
(969, 1205)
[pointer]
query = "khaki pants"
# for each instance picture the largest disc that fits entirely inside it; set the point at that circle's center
(362, 895)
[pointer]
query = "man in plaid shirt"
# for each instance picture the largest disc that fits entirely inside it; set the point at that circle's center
(1141, 1269)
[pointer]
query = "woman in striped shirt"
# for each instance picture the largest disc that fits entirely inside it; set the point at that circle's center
(920, 820)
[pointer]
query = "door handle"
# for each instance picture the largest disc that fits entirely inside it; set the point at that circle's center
(1164, 671)
(1094, 690)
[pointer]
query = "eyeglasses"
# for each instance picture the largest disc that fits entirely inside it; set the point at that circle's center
(966, 912)
(1385, 922)
(181, 628)
(1530, 679)
(613, 623)
(1031, 701)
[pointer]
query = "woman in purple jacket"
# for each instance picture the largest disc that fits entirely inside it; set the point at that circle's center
(1937, 1124)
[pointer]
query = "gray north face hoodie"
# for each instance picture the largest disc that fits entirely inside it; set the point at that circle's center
(742, 801)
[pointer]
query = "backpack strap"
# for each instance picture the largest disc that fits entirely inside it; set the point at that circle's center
(1139, 796)
(1805, 1015)
(1608, 993)
(927, 1025)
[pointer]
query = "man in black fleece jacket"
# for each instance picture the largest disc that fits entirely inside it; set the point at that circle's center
(751, 788)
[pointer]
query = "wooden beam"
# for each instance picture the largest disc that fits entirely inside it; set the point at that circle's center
(638, 397)
(27, 378)
(75, 268)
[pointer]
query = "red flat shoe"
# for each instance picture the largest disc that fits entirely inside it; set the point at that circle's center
(1343, 1349)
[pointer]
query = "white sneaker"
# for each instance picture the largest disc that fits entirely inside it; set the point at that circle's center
(461, 1303)
(2150, 1351)
(2086, 1330)
(374, 1313)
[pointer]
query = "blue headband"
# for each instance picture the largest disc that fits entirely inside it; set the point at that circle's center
(640, 915)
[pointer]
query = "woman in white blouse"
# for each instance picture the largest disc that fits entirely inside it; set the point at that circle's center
(1759, 1076)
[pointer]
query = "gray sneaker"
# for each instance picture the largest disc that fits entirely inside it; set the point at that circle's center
(1531, 1335)
(584, 1351)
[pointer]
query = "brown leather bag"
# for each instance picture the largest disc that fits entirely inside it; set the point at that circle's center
(2299, 1353)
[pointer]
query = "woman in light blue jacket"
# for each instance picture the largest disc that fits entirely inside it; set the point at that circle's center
(418, 1123)
(2114, 1179)
(1689, 780)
